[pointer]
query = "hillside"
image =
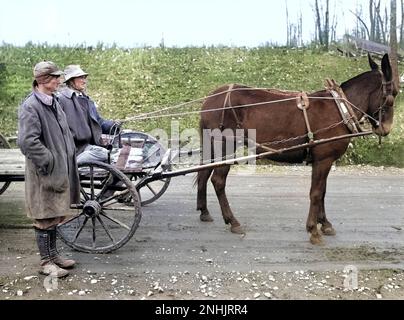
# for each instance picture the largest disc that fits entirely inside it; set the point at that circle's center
(128, 82)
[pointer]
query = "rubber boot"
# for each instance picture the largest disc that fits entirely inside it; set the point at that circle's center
(47, 266)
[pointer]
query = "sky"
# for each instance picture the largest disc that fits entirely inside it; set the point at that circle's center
(138, 23)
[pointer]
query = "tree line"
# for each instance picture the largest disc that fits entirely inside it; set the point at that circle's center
(379, 25)
(372, 22)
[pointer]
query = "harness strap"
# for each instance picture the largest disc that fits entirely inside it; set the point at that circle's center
(227, 104)
(345, 109)
(303, 104)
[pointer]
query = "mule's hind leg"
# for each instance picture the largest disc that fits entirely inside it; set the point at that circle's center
(317, 192)
(219, 182)
(202, 181)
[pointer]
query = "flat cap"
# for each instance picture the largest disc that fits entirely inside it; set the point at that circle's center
(46, 68)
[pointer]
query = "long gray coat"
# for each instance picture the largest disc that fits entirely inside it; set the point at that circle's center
(97, 125)
(51, 175)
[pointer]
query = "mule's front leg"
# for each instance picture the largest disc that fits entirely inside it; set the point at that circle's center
(202, 180)
(219, 182)
(311, 224)
(317, 193)
(326, 226)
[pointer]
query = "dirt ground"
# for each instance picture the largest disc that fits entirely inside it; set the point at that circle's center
(174, 256)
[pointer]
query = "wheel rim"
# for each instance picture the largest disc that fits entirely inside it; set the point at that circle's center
(4, 186)
(153, 190)
(104, 224)
(4, 145)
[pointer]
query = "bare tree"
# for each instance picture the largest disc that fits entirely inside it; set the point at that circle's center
(287, 24)
(402, 25)
(294, 31)
(393, 41)
(372, 20)
(386, 24)
(357, 15)
(378, 21)
(322, 22)
(318, 24)
(382, 25)
(334, 24)
(327, 24)
(300, 28)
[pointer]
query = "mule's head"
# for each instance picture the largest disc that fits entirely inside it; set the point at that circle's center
(381, 102)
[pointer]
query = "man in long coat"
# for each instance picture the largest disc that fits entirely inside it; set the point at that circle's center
(83, 118)
(51, 174)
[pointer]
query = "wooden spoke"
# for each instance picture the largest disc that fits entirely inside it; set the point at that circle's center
(113, 197)
(70, 220)
(106, 229)
(104, 186)
(110, 216)
(79, 231)
(151, 189)
(114, 220)
(92, 182)
(118, 209)
(94, 236)
(84, 193)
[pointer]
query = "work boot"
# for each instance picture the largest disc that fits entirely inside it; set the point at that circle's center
(55, 255)
(47, 266)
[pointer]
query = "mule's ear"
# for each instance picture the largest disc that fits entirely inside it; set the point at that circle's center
(372, 63)
(386, 68)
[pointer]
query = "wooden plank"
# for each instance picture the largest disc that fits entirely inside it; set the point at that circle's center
(12, 161)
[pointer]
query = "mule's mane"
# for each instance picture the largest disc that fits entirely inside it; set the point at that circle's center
(274, 91)
(359, 78)
(283, 92)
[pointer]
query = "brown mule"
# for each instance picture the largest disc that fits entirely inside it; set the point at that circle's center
(373, 94)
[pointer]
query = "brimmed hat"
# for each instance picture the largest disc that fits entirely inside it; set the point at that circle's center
(74, 71)
(46, 68)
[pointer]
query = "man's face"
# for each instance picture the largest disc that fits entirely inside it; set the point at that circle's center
(53, 84)
(80, 83)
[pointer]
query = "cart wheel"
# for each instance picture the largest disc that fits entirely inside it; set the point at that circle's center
(153, 190)
(4, 145)
(104, 224)
(149, 192)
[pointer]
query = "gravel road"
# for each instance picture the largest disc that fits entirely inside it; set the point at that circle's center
(173, 255)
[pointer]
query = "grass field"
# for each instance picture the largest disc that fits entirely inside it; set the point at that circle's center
(126, 83)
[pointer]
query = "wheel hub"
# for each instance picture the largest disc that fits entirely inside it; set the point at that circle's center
(91, 208)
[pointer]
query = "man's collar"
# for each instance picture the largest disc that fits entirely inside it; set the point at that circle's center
(44, 98)
(69, 92)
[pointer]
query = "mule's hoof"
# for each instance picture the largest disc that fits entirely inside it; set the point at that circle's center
(316, 240)
(237, 229)
(329, 231)
(206, 217)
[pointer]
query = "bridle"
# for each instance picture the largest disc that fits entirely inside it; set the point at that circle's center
(388, 88)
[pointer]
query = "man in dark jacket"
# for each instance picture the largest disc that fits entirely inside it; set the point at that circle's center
(84, 120)
(51, 175)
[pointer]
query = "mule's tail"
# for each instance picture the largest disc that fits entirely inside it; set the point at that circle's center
(196, 179)
(197, 176)
(199, 173)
